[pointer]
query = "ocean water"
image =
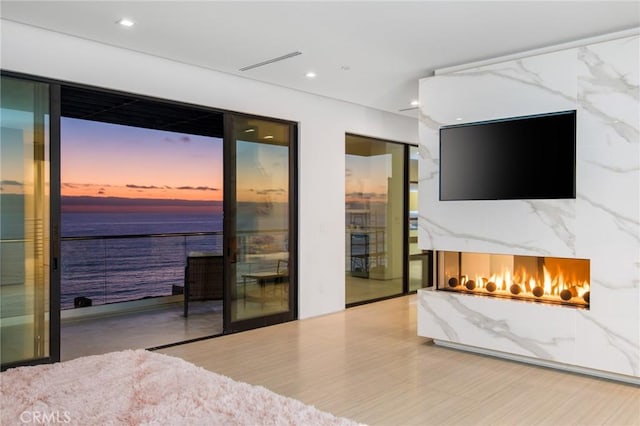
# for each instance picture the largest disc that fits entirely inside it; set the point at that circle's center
(121, 265)
(109, 257)
(100, 224)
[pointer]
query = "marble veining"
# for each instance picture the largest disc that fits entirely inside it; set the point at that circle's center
(600, 81)
(520, 73)
(625, 130)
(499, 328)
(620, 343)
(429, 164)
(429, 121)
(556, 216)
(444, 325)
(603, 78)
(610, 285)
(615, 168)
(429, 226)
(627, 225)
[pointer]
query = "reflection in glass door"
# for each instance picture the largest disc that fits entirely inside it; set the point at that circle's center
(258, 223)
(419, 271)
(375, 219)
(25, 225)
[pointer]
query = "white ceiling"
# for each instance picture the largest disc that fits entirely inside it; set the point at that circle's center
(367, 52)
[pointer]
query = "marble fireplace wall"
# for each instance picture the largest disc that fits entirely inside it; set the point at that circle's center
(602, 224)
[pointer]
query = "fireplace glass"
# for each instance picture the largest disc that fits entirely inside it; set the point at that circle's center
(554, 280)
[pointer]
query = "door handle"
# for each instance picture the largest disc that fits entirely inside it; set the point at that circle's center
(232, 250)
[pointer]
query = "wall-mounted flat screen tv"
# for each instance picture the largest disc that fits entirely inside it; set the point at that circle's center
(530, 157)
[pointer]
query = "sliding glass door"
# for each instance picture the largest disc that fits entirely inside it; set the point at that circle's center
(259, 222)
(25, 228)
(134, 248)
(141, 222)
(381, 240)
(375, 219)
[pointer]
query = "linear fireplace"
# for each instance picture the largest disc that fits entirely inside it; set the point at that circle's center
(554, 280)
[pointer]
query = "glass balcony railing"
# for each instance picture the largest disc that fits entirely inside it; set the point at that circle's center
(121, 268)
(109, 269)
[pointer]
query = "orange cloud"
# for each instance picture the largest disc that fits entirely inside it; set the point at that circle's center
(166, 192)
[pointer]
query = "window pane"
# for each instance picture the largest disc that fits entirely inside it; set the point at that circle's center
(375, 220)
(24, 228)
(260, 284)
(418, 260)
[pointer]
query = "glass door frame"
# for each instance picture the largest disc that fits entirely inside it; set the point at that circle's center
(426, 256)
(55, 105)
(54, 222)
(405, 234)
(230, 222)
(55, 215)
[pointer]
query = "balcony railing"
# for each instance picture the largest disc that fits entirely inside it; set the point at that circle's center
(109, 269)
(120, 268)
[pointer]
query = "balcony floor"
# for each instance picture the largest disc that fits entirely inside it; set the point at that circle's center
(142, 329)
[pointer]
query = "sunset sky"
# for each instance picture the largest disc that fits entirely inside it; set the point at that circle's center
(109, 160)
(116, 162)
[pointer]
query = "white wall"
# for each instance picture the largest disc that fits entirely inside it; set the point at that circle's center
(601, 82)
(323, 123)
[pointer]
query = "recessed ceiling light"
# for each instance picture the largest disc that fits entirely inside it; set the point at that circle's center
(126, 22)
(415, 102)
(268, 137)
(310, 74)
(250, 130)
(458, 118)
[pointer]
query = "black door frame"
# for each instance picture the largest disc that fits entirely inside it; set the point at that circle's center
(405, 232)
(54, 222)
(55, 103)
(230, 245)
(55, 217)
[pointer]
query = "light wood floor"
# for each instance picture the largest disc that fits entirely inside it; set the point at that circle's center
(368, 364)
(363, 289)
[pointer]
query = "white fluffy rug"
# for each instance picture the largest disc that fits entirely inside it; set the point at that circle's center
(143, 388)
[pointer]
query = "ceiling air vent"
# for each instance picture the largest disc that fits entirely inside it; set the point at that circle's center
(271, 61)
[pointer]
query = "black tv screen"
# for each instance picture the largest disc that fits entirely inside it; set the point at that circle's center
(530, 157)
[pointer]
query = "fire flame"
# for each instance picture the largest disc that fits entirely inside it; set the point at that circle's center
(527, 285)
